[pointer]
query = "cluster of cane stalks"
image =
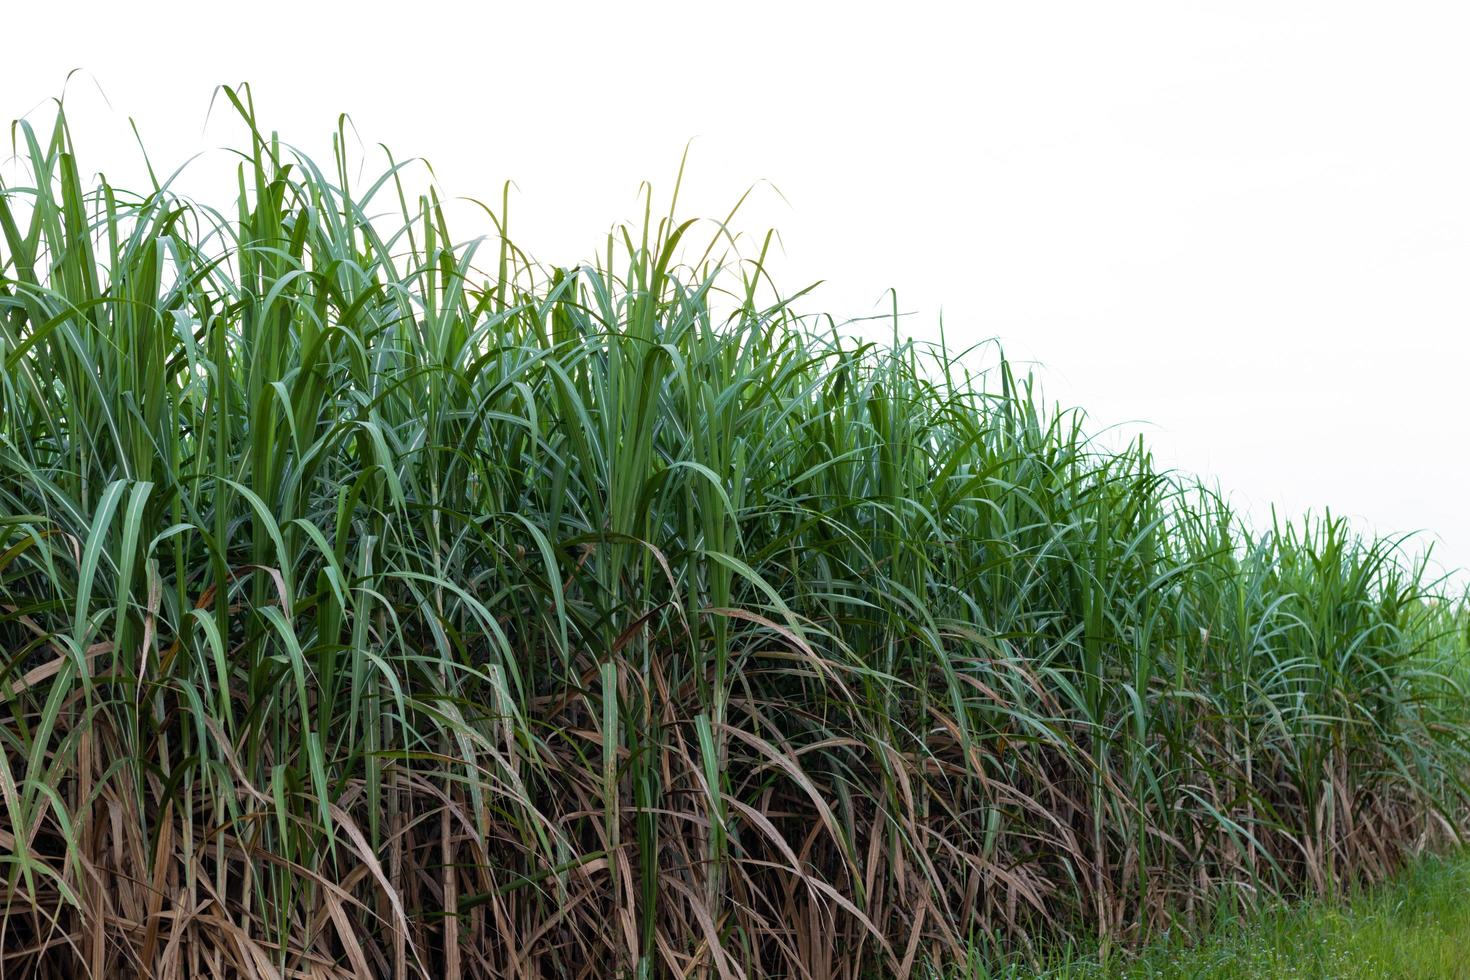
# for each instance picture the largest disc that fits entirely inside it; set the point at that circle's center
(379, 603)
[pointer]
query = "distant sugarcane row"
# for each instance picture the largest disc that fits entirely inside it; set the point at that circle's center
(376, 604)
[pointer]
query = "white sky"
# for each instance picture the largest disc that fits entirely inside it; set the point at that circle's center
(1246, 223)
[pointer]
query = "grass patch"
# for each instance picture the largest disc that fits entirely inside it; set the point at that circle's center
(1416, 926)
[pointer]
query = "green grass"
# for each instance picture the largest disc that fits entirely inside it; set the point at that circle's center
(379, 601)
(1414, 927)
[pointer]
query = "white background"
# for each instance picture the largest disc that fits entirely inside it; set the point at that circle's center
(1245, 223)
